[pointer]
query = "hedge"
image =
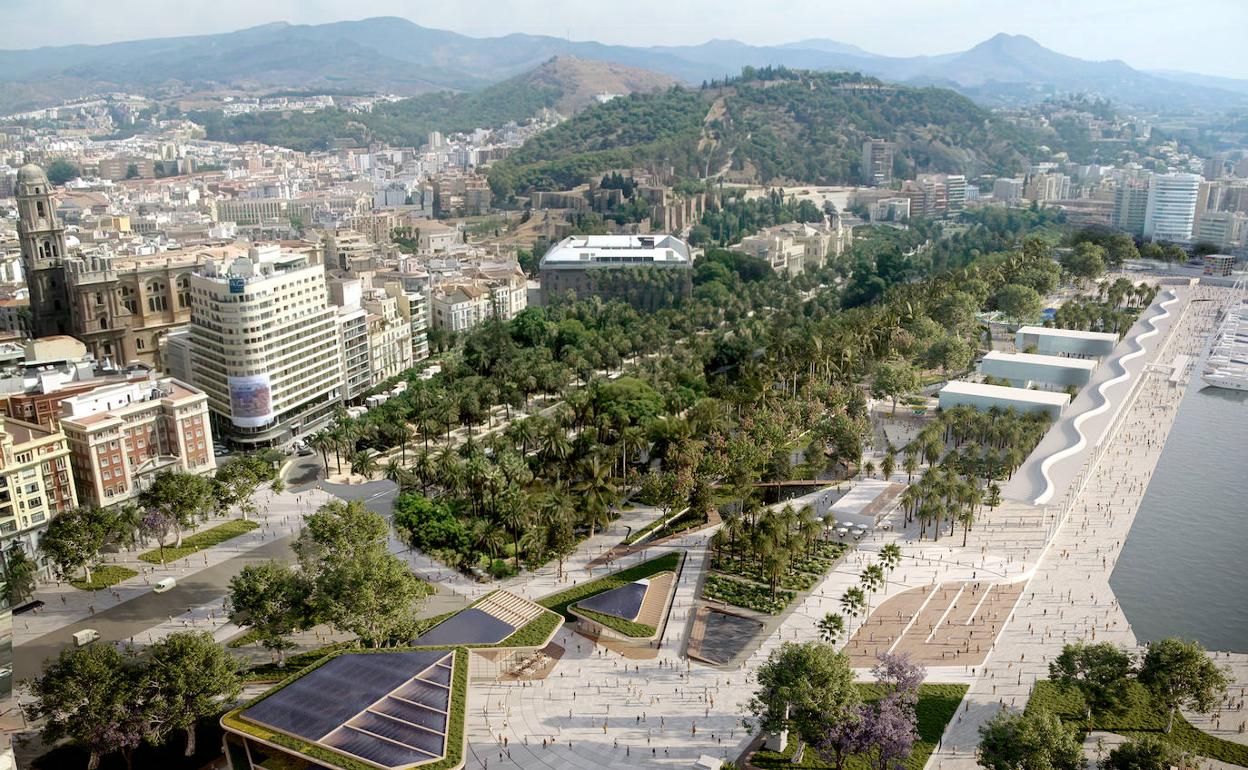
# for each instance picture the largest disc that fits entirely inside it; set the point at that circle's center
(201, 540)
(104, 577)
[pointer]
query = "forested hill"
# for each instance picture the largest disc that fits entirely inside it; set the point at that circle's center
(565, 83)
(771, 126)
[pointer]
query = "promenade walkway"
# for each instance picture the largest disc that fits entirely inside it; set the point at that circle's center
(1068, 597)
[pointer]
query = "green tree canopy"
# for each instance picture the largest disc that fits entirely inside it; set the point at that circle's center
(1179, 674)
(1148, 752)
(1035, 740)
(273, 599)
(893, 379)
(805, 687)
(1018, 303)
(95, 697)
(1103, 673)
(61, 171)
(191, 677)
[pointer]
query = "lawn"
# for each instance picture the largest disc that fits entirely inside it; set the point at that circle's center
(1143, 718)
(937, 705)
(627, 627)
(559, 602)
(104, 577)
(740, 593)
(201, 540)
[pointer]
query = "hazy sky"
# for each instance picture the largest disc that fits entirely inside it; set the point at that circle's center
(1209, 36)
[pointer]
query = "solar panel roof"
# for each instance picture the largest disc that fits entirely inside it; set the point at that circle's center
(470, 626)
(389, 709)
(623, 602)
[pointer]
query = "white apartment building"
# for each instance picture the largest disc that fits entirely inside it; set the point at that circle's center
(346, 294)
(1171, 209)
(265, 346)
(413, 307)
(389, 336)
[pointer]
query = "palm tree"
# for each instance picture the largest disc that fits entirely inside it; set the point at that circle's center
(911, 465)
(890, 556)
(364, 463)
(831, 627)
(322, 441)
(395, 473)
(853, 601)
(775, 565)
(598, 490)
(425, 469)
(888, 464)
(515, 516)
(872, 579)
(868, 469)
(556, 448)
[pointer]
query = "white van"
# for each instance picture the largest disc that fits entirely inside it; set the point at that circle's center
(164, 585)
(85, 636)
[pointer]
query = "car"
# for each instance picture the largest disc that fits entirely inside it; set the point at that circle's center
(219, 451)
(85, 636)
(6, 672)
(164, 585)
(305, 452)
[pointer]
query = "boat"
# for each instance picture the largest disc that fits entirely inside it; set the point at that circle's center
(1227, 363)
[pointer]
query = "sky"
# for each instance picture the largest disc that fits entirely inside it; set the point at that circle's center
(1206, 36)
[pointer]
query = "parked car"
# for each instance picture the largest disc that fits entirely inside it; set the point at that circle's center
(164, 585)
(85, 636)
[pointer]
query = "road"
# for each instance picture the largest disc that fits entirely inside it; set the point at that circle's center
(122, 621)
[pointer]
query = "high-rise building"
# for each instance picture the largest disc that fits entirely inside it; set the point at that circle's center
(43, 248)
(1171, 207)
(1228, 230)
(1130, 206)
(264, 346)
(345, 295)
(1007, 190)
(877, 161)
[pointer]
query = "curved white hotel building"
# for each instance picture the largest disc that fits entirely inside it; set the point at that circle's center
(1171, 207)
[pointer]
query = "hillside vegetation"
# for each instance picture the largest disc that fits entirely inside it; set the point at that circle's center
(771, 125)
(406, 122)
(563, 83)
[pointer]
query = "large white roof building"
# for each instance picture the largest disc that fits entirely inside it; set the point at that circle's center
(582, 251)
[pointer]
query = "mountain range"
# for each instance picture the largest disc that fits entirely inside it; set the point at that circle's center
(388, 54)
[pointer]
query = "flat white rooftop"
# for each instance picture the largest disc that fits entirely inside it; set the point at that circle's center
(1045, 331)
(1036, 359)
(1022, 395)
(580, 250)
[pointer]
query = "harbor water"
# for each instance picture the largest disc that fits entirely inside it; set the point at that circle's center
(1184, 568)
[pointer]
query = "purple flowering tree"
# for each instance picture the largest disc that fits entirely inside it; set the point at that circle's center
(849, 736)
(890, 733)
(898, 676)
(157, 524)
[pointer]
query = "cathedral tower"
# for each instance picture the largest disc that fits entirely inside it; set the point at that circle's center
(43, 252)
